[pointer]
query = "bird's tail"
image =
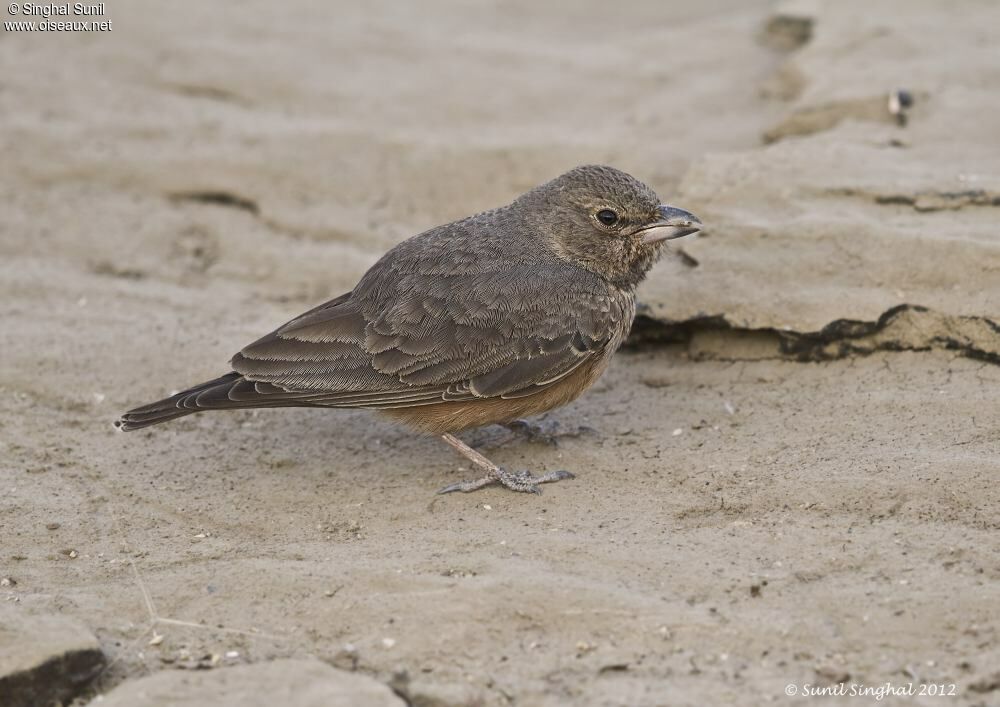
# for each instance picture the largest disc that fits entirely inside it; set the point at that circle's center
(222, 393)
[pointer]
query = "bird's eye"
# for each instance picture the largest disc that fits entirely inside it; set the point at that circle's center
(607, 217)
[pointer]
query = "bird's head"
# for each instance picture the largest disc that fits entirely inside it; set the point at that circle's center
(606, 221)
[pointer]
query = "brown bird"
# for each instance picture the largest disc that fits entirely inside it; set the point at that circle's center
(489, 319)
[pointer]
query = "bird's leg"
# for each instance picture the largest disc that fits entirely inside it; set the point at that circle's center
(514, 480)
(547, 431)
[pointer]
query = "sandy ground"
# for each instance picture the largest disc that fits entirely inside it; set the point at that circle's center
(740, 521)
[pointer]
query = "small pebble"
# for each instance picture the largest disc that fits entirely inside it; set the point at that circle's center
(899, 102)
(388, 642)
(52, 526)
(582, 647)
(678, 432)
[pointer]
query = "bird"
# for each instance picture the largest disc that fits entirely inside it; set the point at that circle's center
(490, 319)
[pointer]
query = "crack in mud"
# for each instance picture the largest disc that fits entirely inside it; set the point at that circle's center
(218, 198)
(943, 200)
(906, 327)
(925, 201)
(788, 30)
(810, 120)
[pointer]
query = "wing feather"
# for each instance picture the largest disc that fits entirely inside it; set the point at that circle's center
(425, 326)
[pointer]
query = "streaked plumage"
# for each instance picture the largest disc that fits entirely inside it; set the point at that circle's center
(487, 319)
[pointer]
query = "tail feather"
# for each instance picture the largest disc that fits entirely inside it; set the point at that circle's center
(229, 392)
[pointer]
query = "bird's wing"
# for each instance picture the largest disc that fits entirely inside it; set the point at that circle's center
(406, 338)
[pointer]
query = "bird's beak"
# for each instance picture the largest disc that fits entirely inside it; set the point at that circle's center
(673, 223)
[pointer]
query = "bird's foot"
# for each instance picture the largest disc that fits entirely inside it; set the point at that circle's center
(545, 431)
(495, 474)
(514, 480)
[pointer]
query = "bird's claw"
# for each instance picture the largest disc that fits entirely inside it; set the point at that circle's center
(522, 481)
